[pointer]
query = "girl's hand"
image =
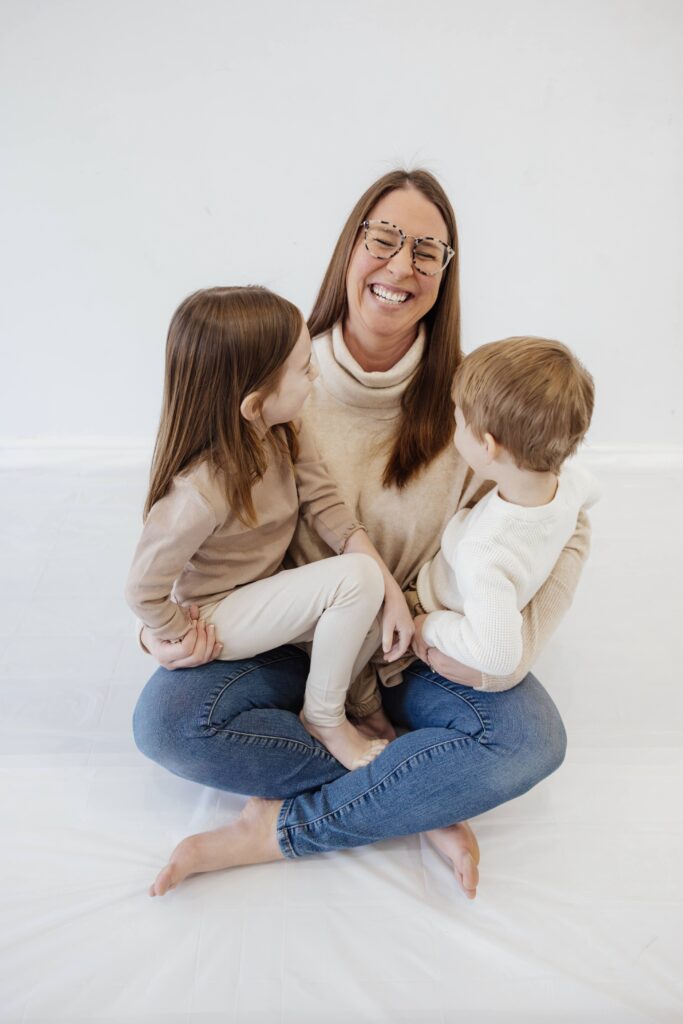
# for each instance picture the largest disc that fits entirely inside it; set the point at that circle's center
(198, 647)
(397, 625)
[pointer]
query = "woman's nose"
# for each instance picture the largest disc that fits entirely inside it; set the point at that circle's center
(401, 264)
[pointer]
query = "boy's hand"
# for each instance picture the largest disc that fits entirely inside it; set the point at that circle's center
(198, 647)
(397, 625)
(419, 646)
(439, 662)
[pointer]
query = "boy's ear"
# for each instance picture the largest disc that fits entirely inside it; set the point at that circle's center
(251, 407)
(491, 447)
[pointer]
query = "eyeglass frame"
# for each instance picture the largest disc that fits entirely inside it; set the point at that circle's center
(450, 251)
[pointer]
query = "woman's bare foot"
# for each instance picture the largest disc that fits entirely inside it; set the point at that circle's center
(377, 726)
(458, 844)
(346, 743)
(252, 839)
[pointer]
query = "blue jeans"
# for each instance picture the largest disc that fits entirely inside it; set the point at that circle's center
(234, 725)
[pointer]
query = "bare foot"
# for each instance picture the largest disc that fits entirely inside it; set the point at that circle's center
(377, 726)
(252, 839)
(458, 844)
(346, 743)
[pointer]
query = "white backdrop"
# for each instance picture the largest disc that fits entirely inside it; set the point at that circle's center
(151, 147)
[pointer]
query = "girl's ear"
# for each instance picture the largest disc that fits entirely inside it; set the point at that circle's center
(251, 407)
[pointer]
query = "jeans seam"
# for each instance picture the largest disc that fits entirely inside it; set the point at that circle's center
(435, 679)
(282, 833)
(387, 777)
(235, 679)
(314, 751)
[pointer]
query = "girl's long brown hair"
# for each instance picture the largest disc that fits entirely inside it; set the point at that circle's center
(426, 424)
(223, 344)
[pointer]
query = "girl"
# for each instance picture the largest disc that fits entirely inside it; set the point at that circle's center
(230, 473)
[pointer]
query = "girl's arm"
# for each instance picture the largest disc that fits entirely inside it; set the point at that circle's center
(324, 510)
(321, 505)
(397, 622)
(540, 617)
(174, 530)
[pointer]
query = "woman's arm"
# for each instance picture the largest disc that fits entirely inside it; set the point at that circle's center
(540, 617)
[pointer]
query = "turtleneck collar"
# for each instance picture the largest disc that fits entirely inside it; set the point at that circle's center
(349, 383)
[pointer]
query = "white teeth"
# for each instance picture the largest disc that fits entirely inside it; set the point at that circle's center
(383, 293)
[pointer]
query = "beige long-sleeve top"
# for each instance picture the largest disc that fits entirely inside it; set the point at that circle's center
(194, 549)
(352, 415)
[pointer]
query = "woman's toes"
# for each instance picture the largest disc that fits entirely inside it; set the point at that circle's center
(468, 876)
(163, 882)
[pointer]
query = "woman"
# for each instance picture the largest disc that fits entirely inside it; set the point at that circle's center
(386, 323)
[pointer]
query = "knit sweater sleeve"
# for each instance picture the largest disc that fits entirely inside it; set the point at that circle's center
(548, 606)
(320, 502)
(488, 635)
(174, 530)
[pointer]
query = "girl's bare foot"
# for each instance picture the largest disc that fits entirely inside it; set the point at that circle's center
(377, 726)
(252, 839)
(458, 844)
(346, 743)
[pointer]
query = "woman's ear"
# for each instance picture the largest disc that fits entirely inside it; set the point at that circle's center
(251, 407)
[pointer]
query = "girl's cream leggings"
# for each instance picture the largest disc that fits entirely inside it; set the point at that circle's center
(333, 602)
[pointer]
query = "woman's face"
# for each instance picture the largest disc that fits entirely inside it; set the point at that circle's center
(390, 297)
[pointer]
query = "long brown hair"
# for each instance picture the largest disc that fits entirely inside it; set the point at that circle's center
(426, 424)
(223, 344)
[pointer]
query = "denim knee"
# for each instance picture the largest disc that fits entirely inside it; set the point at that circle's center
(540, 738)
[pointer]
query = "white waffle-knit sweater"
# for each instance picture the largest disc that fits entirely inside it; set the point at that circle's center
(492, 561)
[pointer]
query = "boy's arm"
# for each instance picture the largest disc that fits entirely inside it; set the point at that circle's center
(543, 613)
(174, 530)
(488, 635)
(540, 617)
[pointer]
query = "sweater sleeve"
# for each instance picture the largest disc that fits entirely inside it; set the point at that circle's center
(545, 610)
(488, 636)
(321, 505)
(174, 530)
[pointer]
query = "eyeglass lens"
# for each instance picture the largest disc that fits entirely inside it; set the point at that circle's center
(384, 241)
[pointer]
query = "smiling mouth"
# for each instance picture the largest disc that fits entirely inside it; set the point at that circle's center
(389, 295)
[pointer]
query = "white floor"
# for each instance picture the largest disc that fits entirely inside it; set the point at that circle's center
(580, 912)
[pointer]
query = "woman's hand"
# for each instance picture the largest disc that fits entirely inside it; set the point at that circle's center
(452, 669)
(198, 647)
(397, 624)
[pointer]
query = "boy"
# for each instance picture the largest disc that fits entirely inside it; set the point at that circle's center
(522, 406)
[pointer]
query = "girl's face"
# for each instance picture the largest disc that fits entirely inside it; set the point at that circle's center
(296, 384)
(387, 297)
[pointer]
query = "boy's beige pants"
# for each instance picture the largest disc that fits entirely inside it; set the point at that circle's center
(333, 602)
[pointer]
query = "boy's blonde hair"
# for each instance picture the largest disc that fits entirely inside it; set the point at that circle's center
(533, 395)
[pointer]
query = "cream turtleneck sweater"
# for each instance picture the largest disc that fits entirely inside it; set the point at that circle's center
(353, 415)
